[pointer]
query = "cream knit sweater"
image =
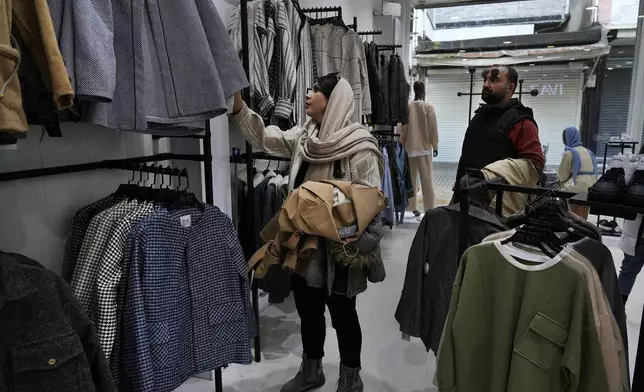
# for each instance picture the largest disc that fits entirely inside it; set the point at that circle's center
(421, 134)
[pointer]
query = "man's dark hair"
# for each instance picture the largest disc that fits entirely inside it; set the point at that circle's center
(513, 75)
(327, 83)
(419, 88)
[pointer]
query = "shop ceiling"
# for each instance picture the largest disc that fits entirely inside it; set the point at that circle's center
(422, 4)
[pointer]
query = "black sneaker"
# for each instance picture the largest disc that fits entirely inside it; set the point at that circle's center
(416, 213)
(635, 191)
(610, 187)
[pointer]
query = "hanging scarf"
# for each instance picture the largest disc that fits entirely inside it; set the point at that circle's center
(573, 139)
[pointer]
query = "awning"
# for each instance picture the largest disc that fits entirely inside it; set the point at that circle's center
(512, 57)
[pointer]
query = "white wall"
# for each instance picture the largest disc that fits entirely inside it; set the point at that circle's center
(36, 214)
(362, 9)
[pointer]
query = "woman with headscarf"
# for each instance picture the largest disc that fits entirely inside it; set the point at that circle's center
(329, 147)
(578, 168)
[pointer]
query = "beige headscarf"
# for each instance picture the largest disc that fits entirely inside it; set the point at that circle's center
(338, 137)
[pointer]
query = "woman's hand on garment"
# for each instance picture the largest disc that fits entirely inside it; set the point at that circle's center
(239, 102)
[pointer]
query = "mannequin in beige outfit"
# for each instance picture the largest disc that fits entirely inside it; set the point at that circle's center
(420, 139)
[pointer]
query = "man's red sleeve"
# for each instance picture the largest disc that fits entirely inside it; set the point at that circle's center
(525, 136)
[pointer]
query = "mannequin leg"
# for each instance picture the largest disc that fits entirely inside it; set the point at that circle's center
(413, 169)
(424, 167)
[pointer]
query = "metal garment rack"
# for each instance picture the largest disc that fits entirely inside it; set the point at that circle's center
(533, 92)
(126, 164)
(389, 47)
(618, 210)
(322, 10)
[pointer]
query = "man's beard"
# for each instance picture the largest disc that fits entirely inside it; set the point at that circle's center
(492, 98)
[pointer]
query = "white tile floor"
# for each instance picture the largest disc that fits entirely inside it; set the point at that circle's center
(389, 363)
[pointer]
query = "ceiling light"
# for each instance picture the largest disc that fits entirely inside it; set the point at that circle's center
(573, 59)
(532, 65)
(507, 42)
(629, 62)
(610, 68)
(586, 49)
(464, 59)
(461, 51)
(545, 75)
(550, 46)
(620, 52)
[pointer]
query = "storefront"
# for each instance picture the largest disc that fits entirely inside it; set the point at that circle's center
(615, 97)
(557, 105)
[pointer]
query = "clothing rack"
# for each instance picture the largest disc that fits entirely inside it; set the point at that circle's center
(323, 10)
(389, 47)
(532, 92)
(126, 164)
(617, 210)
(354, 26)
(370, 32)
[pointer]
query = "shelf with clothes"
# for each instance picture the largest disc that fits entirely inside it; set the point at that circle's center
(197, 216)
(578, 226)
(68, 72)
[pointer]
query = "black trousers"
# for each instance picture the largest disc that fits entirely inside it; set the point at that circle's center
(310, 303)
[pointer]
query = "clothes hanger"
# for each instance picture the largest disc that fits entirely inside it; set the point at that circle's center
(185, 198)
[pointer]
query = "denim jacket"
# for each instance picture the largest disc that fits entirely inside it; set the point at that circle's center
(47, 342)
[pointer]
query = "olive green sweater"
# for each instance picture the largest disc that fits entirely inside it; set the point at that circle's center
(519, 327)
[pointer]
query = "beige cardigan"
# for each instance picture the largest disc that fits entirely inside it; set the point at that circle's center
(421, 134)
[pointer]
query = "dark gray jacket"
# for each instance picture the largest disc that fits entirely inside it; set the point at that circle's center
(398, 91)
(431, 269)
(47, 342)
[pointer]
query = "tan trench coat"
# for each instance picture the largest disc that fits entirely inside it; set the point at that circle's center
(309, 213)
(32, 22)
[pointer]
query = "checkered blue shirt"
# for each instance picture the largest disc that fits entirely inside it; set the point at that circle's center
(187, 304)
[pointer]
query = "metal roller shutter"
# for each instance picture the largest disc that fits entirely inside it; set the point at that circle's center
(613, 112)
(557, 106)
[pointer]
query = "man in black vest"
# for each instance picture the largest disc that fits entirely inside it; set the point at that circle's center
(501, 128)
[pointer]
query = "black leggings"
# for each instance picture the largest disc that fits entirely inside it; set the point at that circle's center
(310, 303)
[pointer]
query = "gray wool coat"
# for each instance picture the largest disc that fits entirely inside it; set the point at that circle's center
(149, 64)
(362, 167)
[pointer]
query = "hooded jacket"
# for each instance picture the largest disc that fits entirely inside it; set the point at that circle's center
(363, 166)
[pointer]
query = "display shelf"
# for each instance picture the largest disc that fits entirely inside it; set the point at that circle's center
(607, 209)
